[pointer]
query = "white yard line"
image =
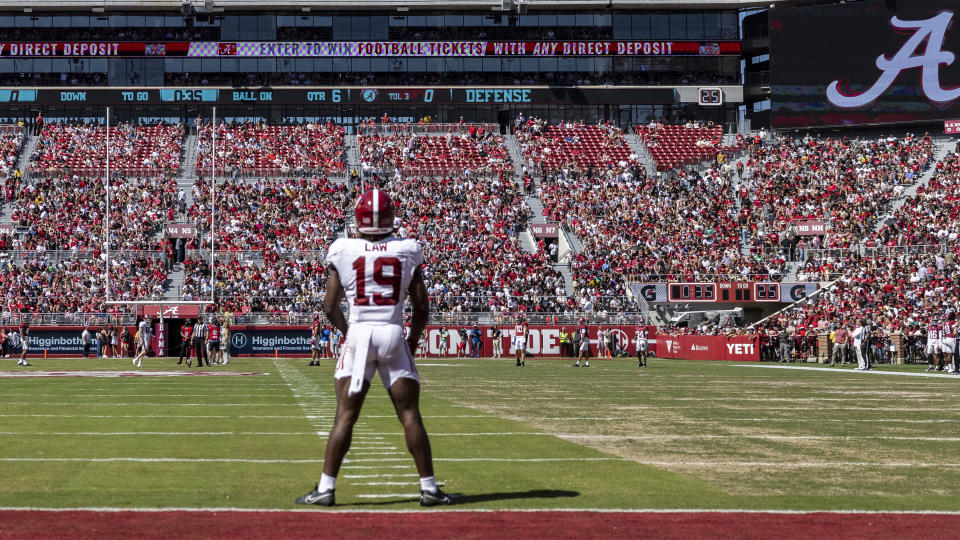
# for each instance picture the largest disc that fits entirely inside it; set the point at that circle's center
(346, 461)
(164, 433)
(481, 510)
(799, 464)
(668, 436)
(857, 372)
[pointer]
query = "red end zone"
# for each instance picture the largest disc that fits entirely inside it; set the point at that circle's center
(231, 524)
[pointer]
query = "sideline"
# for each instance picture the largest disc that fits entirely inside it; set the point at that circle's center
(853, 371)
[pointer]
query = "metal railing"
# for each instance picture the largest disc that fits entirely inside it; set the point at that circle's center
(10, 319)
(455, 318)
(274, 172)
(677, 277)
(876, 251)
(424, 129)
(55, 256)
(221, 255)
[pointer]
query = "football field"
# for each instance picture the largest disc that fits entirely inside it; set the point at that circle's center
(677, 435)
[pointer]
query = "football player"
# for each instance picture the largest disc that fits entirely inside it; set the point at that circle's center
(642, 343)
(520, 340)
(584, 353)
(373, 272)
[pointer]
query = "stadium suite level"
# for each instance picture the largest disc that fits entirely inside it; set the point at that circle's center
(443, 64)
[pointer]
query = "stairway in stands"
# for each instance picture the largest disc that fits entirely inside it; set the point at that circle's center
(638, 148)
(941, 150)
(26, 151)
(352, 149)
(513, 148)
(175, 278)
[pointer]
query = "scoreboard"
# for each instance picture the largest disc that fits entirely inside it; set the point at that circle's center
(342, 95)
(724, 292)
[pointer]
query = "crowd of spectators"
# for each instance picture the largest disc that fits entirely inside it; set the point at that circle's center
(302, 214)
(477, 150)
(847, 183)
(134, 149)
(44, 283)
(11, 140)
(930, 217)
(290, 284)
(474, 261)
(287, 224)
(261, 149)
(68, 214)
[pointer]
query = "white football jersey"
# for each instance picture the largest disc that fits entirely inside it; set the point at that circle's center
(375, 276)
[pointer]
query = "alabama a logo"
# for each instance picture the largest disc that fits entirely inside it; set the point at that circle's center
(932, 31)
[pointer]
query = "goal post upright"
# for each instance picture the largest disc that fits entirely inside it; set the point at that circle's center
(213, 205)
(107, 246)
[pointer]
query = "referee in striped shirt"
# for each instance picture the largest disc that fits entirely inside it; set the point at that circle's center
(200, 342)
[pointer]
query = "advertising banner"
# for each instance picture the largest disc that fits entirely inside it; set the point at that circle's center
(182, 311)
(703, 347)
(62, 340)
(794, 292)
(667, 346)
(743, 348)
(159, 341)
(868, 62)
(692, 347)
(366, 49)
(542, 340)
(951, 127)
(266, 341)
(651, 292)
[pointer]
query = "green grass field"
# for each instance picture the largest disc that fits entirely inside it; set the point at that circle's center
(679, 434)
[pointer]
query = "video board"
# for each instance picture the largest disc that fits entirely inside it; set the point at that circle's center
(865, 63)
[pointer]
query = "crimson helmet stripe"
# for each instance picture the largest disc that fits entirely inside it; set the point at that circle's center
(374, 212)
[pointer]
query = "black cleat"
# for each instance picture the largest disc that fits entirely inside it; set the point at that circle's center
(320, 499)
(428, 498)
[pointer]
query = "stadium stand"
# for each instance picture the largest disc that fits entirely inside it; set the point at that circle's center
(49, 283)
(673, 146)
(571, 146)
(848, 183)
(11, 141)
(474, 261)
(135, 150)
(474, 149)
(258, 149)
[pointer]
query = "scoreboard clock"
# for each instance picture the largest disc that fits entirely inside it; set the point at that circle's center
(710, 97)
(693, 292)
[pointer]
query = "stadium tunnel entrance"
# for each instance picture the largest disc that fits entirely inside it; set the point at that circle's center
(172, 328)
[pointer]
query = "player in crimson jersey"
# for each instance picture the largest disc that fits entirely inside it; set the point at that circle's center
(520, 340)
(373, 272)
